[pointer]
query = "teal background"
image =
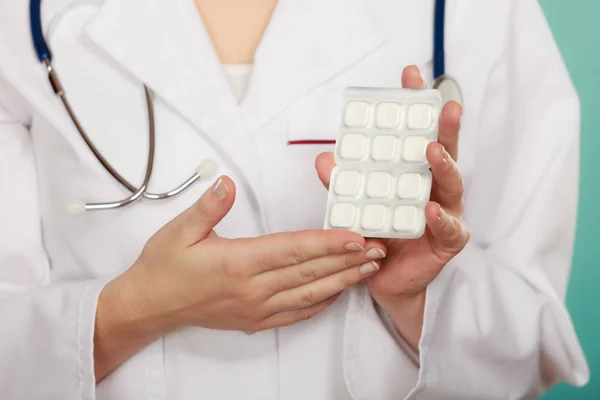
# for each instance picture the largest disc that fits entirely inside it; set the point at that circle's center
(576, 27)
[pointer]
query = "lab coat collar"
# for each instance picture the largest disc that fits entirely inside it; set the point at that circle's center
(165, 45)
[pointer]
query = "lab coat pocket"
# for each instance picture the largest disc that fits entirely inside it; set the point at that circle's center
(312, 125)
(315, 118)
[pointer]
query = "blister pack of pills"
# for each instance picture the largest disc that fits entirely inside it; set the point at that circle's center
(382, 182)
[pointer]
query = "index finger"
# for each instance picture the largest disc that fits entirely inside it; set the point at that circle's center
(290, 248)
(449, 127)
(412, 79)
(324, 164)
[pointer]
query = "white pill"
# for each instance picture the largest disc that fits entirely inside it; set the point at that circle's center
(356, 114)
(388, 115)
(410, 185)
(379, 184)
(342, 215)
(384, 148)
(374, 217)
(353, 146)
(405, 218)
(347, 183)
(414, 148)
(420, 116)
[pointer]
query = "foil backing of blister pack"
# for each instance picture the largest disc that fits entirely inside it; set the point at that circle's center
(381, 182)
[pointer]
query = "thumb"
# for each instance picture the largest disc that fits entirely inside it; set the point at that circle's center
(197, 222)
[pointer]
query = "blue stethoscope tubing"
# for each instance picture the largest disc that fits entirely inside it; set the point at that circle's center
(439, 56)
(37, 35)
(446, 85)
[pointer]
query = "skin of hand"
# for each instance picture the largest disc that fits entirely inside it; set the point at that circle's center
(189, 276)
(410, 265)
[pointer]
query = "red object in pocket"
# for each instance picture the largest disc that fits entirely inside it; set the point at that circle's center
(308, 142)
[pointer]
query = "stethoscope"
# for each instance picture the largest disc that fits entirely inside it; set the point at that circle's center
(207, 168)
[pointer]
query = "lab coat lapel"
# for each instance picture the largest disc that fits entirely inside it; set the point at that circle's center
(307, 43)
(164, 45)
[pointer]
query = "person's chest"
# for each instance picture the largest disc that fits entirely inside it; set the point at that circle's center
(103, 53)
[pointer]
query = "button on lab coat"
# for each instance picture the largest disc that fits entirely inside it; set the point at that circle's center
(495, 326)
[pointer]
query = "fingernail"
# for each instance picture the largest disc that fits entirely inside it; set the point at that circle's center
(440, 214)
(354, 247)
(444, 155)
(375, 254)
(220, 189)
(369, 268)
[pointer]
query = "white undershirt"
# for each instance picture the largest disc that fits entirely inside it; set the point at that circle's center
(238, 76)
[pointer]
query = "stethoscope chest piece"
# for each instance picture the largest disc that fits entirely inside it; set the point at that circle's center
(449, 89)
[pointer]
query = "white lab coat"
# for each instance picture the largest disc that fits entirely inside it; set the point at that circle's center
(495, 326)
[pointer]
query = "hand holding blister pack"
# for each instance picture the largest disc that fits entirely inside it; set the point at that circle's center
(382, 182)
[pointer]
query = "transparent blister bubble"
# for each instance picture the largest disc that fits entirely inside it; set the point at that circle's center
(381, 183)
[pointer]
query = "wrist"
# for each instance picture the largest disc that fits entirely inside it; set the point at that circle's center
(406, 312)
(125, 322)
(131, 301)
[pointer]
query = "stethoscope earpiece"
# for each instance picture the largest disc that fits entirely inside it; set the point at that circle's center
(75, 207)
(207, 169)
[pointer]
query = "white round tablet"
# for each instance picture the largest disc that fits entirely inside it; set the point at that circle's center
(347, 183)
(405, 218)
(420, 116)
(353, 146)
(356, 114)
(379, 184)
(384, 148)
(414, 148)
(410, 185)
(388, 115)
(342, 215)
(374, 217)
